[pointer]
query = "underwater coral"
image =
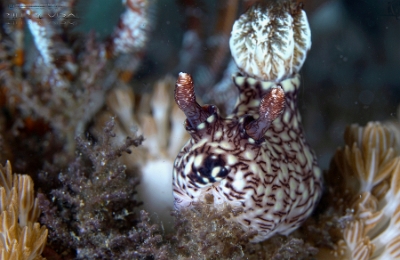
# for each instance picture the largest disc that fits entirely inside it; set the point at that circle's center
(89, 122)
(364, 177)
(22, 236)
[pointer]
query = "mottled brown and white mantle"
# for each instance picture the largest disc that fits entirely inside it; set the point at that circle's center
(256, 159)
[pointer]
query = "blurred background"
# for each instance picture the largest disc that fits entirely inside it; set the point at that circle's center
(69, 85)
(351, 74)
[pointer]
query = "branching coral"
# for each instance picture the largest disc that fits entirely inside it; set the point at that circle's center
(51, 93)
(21, 236)
(158, 118)
(142, 241)
(96, 201)
(365, 176)
(131, 34)
(69, 71)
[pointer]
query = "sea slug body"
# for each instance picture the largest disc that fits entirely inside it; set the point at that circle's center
(257, 158)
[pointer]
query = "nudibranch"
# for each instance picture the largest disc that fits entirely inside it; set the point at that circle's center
(256, 159)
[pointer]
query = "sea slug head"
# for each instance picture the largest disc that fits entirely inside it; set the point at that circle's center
(257, 158)
(271, 40)
(218, 144)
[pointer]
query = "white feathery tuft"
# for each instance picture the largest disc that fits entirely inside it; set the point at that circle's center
(270, 44)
